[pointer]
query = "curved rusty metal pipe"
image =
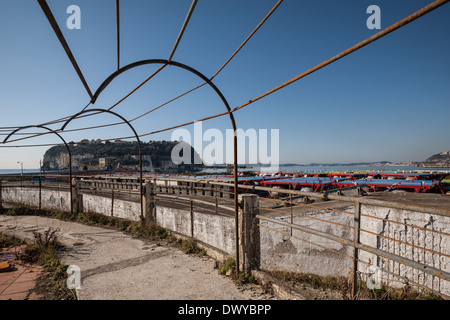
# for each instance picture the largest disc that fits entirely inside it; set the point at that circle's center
(68, 150)
(137, 138)
(225, 102)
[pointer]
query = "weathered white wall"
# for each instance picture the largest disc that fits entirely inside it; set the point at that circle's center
(121, 209)
(174, 219)
(415, 233)
(50, 199)
(214, 230)
(301, 251)
(298, 253)
(281, 251)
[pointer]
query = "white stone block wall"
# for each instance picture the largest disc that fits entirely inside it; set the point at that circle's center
(304, 252)
(419, 238)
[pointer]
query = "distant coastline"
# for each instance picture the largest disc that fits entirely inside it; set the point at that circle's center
(381, 163)
(288, 167)
(18, 171)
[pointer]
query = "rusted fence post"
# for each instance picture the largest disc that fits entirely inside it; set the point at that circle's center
(1, 197)
(150, 202)
(112, 200)
(249, 238)
(191, 208)
(290, 209)
(77, 196)
(191, 211)
(356, 235)
(40, 193)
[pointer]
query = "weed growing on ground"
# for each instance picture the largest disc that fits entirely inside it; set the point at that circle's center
(43, 250)
(190, 246)
(228, 268)
(20, 210)
(343, 285)
(148, 230)
(9, 241)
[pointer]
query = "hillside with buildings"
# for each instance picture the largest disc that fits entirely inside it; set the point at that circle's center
(439, 160)
(118, 155)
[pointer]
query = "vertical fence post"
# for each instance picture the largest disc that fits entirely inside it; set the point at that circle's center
(215, 196)
(150, 201)
(40, 193)
(356, 234)
(77, 200)
(1, 197)
(112, 201)
(192, 216)
(249, 240)
(290, 209)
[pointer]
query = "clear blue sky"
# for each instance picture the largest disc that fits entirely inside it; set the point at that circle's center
(387, 101)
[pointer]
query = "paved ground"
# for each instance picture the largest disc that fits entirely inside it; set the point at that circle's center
(113, 265)
(16, 283)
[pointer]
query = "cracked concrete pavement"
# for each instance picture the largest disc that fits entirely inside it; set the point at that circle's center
(116, 266)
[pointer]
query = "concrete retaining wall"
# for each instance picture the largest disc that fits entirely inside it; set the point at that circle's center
(304, 252)
(50, 199)
(286, 249)
(414, 234)
(217, 231)
(214, 230)
(120, 208)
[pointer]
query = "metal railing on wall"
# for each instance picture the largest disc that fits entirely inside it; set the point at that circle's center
(282, 202)
(281, 209)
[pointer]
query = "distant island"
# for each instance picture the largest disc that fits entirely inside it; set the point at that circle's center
(92, 155)
(439, 160)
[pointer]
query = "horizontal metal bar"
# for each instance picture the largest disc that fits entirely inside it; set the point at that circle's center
(405, 261)
(408, 262)
(407, 225)
(345, 189)
(406, 279)
(405, 243)
(196, 200)
(353, 199)
(350, 199)
(311, 243)
(273, 209)
(319, 233)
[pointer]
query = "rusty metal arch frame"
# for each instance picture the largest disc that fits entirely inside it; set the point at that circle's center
(225, 102)
(141, 189)
(68, 150)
